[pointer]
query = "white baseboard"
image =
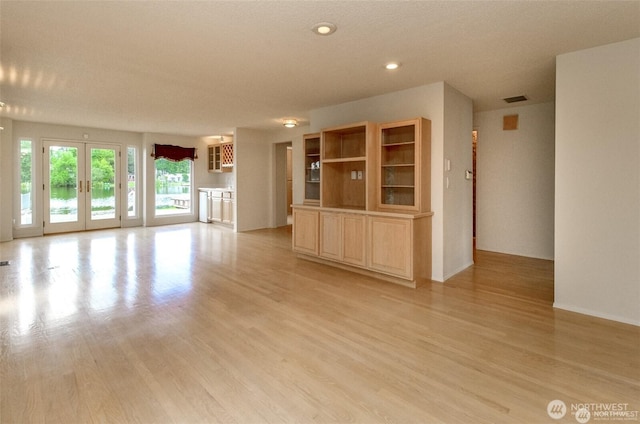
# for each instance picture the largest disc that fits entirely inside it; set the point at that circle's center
(460, 269)
(596, 314)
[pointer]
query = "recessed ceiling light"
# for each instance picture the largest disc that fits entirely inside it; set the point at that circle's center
(392, 65)
(324, 28)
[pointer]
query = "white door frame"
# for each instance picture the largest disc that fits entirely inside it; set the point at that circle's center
(84, 218)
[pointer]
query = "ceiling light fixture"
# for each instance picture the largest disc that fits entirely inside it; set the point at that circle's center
(2, 105)
(392, 65)
(324, 28)
(290, 123)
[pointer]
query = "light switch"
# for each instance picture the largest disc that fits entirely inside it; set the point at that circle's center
(354, 175)
(359, 175)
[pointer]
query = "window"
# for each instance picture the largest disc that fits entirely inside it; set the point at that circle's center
(132, 178)
(173, 187)
(26, 182)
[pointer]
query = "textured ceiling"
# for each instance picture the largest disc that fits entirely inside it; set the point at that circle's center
(202, 68)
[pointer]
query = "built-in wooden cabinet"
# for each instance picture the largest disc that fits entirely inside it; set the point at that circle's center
(311, 169)
(392, 246)
(220, 157)
(374, 201)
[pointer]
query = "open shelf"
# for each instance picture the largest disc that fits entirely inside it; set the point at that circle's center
(339, 190)
(346, 164)
(345, 143)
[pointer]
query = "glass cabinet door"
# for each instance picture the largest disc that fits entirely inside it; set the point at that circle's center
(398, 165)
(312, 169)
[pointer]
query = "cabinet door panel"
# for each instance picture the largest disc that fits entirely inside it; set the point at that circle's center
(216, 209)
(391, 246)
(353, 229)
(305, 231)
(330, 235)
(227, 211)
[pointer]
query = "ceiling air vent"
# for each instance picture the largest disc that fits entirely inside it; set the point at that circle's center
(515, 99)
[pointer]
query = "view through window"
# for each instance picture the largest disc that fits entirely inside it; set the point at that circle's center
(173, 187)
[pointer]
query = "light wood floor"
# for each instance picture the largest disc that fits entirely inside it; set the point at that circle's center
(196, 324)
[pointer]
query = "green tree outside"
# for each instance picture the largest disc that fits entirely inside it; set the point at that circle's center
(63, 167)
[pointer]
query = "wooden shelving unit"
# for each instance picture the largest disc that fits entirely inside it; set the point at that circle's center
(345, 166)
(227, 155)
(220, 157)
(375, 199)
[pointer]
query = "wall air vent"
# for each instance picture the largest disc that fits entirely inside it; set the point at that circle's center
(515, 99)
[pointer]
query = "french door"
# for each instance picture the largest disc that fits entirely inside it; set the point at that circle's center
(81, 186)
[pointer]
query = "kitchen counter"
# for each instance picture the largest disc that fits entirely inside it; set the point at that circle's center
(221, 189)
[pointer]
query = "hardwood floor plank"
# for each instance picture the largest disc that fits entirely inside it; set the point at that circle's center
(194, 323)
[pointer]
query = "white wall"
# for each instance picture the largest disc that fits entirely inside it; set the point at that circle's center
(597, 234)
(426, 101)
(258, 156)
(6, 179)
(458, 196)
(515, 181)
(254, 181)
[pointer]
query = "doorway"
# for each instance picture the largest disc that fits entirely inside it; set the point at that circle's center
(283, 183)
(81, 186)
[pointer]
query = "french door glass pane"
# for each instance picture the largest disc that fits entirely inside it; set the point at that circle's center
(131, 181)
(26, 182)
(101, 187)
(63, 182)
